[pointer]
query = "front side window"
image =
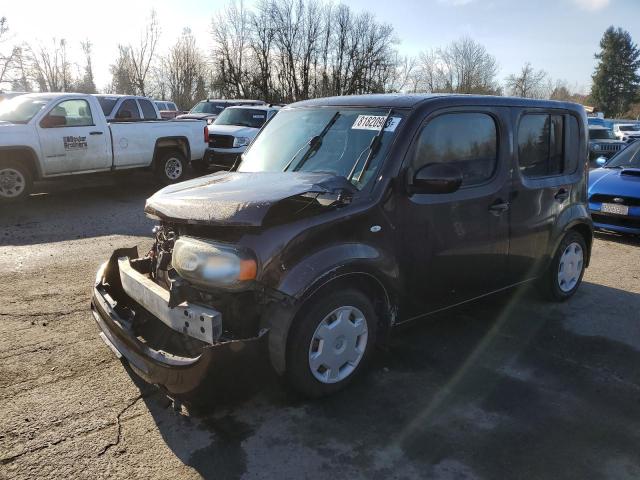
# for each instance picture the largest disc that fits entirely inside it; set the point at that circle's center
(147, 110)
(128, 110)
(468, 141)
(244, 117)
(69, 113)
(161, 106)
(172, 107)
(323, 139)
(541, 145)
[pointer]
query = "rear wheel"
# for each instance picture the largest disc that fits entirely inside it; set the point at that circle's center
(15, 181)
(567, 268)
(330, 342)
(171, 166)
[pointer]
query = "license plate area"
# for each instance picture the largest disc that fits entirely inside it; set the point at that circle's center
(614, 208)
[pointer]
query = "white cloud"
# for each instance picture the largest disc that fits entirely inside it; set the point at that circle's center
(592, 5)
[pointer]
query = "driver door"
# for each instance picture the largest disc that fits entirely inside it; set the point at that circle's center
(70, 141)
(455, 246)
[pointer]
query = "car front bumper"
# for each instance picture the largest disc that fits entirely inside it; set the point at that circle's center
(223, 157)
(218, 363)
(618, 223)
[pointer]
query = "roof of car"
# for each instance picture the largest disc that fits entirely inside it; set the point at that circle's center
(404, 100)
(597, 127)
(230, 100)
(256, 107)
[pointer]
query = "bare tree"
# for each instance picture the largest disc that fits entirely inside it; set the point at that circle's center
(85, 83)
(7, 59)
(529, 83)
(51, 67)
(467, 67)
(184, 67)
(131, 70)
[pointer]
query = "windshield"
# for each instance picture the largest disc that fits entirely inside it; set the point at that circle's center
(286, 142)
(208, 107)
(627, 158)
(245, 117)
(601, 134)
(628, 128)
(22, 109)
(107, 104)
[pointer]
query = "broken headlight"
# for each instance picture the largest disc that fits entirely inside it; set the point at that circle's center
(210, 264)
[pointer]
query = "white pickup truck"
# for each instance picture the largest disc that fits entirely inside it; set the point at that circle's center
(47, 135)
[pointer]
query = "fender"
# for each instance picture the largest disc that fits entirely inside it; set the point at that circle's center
(34, 159)
(316, 271)
(178, 139)
(570, 218)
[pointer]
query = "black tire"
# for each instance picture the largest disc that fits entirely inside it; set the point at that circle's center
(200, 166)
(170, 166)
(549, 283)
(298, 370)
(16, 181)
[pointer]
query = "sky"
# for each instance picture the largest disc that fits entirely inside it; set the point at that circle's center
(558, 36)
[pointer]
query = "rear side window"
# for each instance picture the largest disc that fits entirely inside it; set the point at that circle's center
(467, 140)
(548, 145)
(147, 110)
(128, 110)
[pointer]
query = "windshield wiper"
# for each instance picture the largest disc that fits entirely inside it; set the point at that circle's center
(372, 149)
(314, 144)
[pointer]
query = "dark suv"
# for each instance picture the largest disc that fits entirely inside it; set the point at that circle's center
(346, 217)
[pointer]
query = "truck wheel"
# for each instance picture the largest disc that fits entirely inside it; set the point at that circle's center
(200, 166)
(15, 181)
(171, 166)
(330, 342)
(564, 275)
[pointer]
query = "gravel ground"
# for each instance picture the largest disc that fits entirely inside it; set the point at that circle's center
(509, 387)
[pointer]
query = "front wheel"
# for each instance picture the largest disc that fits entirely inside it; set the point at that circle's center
(330, 342)
(171, 166)
(567, 268)
(15, 181)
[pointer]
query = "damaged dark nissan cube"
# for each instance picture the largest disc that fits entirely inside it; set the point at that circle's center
(346, 217)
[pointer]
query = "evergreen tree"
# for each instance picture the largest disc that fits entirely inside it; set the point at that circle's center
(616, 83)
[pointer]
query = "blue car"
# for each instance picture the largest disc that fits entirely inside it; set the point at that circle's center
(614, 192)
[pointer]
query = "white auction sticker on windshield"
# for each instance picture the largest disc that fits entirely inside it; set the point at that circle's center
(374, 122)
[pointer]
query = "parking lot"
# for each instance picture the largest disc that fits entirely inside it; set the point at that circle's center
(510, 387)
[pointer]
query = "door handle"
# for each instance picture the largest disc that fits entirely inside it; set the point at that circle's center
(96, 133)
(561, 195)
(499, 207)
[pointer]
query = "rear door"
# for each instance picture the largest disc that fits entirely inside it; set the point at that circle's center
(70, 139)
(547, 146)
(454, 247)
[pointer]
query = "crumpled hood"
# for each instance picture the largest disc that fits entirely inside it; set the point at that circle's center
(249, 199)
(614, 181)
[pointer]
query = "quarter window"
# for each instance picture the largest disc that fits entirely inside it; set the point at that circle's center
(541, 145)
(147, 110)
(128, 111)
(467, 140)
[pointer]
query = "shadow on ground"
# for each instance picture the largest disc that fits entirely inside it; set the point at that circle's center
(508, 387)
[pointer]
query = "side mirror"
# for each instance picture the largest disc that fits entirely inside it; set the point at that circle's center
(600, 161)
(123, 115)
(52, 121)
(437, 178)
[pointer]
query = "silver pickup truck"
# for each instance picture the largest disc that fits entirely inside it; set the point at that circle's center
(46, 135)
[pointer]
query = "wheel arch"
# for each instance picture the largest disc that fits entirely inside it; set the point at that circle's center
(279, 318)
(180, 143)
(24, 154)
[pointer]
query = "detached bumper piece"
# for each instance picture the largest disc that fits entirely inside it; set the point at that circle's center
(121, 288)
